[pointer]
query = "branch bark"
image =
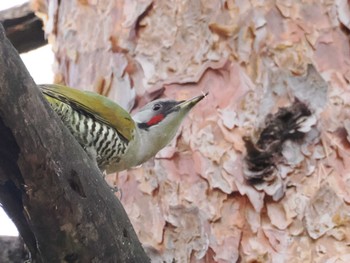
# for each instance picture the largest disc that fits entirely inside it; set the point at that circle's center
(56, 196)
(12, 249)
(23, 28)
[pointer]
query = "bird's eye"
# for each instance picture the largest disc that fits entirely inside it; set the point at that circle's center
(156, 107)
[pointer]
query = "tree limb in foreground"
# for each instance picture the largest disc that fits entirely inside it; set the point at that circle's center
(55, 195)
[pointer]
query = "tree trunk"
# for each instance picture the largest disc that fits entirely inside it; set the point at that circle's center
(53, 192)
(194, 202)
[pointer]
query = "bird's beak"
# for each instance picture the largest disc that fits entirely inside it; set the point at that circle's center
(189, 104)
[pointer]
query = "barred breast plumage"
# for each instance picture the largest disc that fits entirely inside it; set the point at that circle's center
(101, 141)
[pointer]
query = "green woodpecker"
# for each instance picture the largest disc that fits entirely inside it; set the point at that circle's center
(109, 134)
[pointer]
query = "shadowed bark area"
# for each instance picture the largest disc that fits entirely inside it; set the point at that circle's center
(56, 196)
(23, 28)
(12, 249)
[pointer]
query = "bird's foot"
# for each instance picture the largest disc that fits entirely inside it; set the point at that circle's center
(115, 190)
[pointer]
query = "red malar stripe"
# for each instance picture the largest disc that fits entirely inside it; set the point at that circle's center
(155, 119)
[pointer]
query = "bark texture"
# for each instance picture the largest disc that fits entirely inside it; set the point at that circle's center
(12, 250)
(193, 203)
(55, 195)
(23, 28)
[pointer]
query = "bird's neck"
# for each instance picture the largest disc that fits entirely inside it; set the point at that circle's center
(149, 143)
(141, 149)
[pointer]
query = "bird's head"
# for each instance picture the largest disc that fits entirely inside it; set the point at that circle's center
(159, 121)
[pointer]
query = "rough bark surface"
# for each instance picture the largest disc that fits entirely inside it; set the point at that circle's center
(55, 195)
(192, 202)
(12, 250)
(23, 28)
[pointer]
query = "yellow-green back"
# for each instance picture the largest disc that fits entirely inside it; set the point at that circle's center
(93, 104)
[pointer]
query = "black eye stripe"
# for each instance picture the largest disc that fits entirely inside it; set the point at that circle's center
(165, 106)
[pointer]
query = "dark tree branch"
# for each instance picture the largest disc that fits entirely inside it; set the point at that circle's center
(56, 196)
(23, 28)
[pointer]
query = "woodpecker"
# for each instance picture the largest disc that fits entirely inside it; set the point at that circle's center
(116, 140)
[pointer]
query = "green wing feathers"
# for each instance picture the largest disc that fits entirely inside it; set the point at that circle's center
(99, 107)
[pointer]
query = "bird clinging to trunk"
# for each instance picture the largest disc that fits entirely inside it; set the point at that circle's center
(116, 140)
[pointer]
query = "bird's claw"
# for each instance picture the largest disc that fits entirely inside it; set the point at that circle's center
(115, 190)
